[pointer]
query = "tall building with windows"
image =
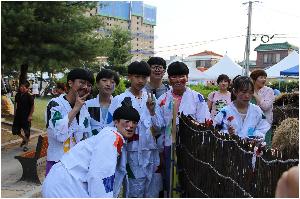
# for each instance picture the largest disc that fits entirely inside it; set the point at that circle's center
(136, 17)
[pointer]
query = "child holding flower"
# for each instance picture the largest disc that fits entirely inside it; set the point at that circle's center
(241, 117)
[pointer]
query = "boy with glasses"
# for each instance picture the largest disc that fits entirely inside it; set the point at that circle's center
(158, 69)
(179, 99)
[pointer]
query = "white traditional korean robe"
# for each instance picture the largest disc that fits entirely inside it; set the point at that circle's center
(254, 124)
(97, 121)
(192, 103)
(142, 152)
(88, 169)
(61, 137)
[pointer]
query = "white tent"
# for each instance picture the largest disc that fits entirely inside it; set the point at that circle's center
(289, 61)
(224, 66)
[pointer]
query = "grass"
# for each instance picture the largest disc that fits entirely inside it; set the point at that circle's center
(38, 118)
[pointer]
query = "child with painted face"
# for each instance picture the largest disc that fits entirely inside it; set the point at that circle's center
(142, 152)
(241, 117)
(179, 99)
(106, 80)
(88, 170)
(67, 119)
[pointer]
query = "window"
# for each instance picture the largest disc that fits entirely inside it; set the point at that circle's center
(271, 58)
(265, 58)
(277, 57)
(137, 23)
(137, 28)
(137, 39)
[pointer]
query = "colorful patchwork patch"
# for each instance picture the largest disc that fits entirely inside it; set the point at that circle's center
(109, 118)
(95, 132)
(250, 131)
(86, 122)
(49, 107)
(200, 97)
(118, 143)
(163, 102)
(224, 113)
(109, 183)
(230, 118)
(57, 116)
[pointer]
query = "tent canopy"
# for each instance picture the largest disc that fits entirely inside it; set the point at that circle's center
(291, 60)
(294, 71)
(224, 66)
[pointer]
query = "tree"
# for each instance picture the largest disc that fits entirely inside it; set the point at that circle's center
(119, 50)
(49, 36)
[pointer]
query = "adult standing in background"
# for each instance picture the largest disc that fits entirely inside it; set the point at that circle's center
(158, 68)
(216, 100)
(263, 97)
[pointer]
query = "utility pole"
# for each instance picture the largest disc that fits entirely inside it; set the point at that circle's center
(247, 47)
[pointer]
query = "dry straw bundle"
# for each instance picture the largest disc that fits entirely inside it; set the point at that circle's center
(286, 136)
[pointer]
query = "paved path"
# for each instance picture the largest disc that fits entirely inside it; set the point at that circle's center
(11, 169)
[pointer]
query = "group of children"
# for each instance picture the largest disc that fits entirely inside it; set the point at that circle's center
(99, 145)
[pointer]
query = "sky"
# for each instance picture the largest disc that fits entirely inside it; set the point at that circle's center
(186, 27)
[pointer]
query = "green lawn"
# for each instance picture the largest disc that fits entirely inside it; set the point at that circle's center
(38, 118)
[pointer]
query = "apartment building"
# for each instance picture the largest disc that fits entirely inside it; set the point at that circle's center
(136, 17)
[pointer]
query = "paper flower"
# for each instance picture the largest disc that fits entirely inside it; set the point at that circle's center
(230, 118)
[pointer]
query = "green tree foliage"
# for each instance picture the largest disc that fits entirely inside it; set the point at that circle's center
(49, 36)
(119, 50)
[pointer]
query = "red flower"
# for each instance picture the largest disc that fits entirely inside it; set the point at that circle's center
(208, 122)
(230, 118)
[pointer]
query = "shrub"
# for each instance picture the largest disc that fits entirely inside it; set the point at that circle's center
(204, 90)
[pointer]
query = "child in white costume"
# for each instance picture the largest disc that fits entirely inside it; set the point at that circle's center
(89, 168)
(67, 120)
(241, 117)
(142, 152)
(189, 103)
(98, 107)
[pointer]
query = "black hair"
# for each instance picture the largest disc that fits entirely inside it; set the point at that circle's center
(91, 77)
(26, 83)
(78, 73)
(107, 73)
(241, 83)
(139, 68)
(157, 61)
(223, 77)
(178, 68)
(126, 111)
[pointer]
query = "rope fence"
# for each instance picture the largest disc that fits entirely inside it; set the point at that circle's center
(213, 164)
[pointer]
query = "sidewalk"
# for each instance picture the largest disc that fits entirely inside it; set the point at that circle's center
(11, 169)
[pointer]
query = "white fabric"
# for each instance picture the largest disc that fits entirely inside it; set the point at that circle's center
(291, 60)
(255, 123)
(94, 104)
(224, 66)
(142, 154)
(192, 103)
(88, 169)
(59, 134)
